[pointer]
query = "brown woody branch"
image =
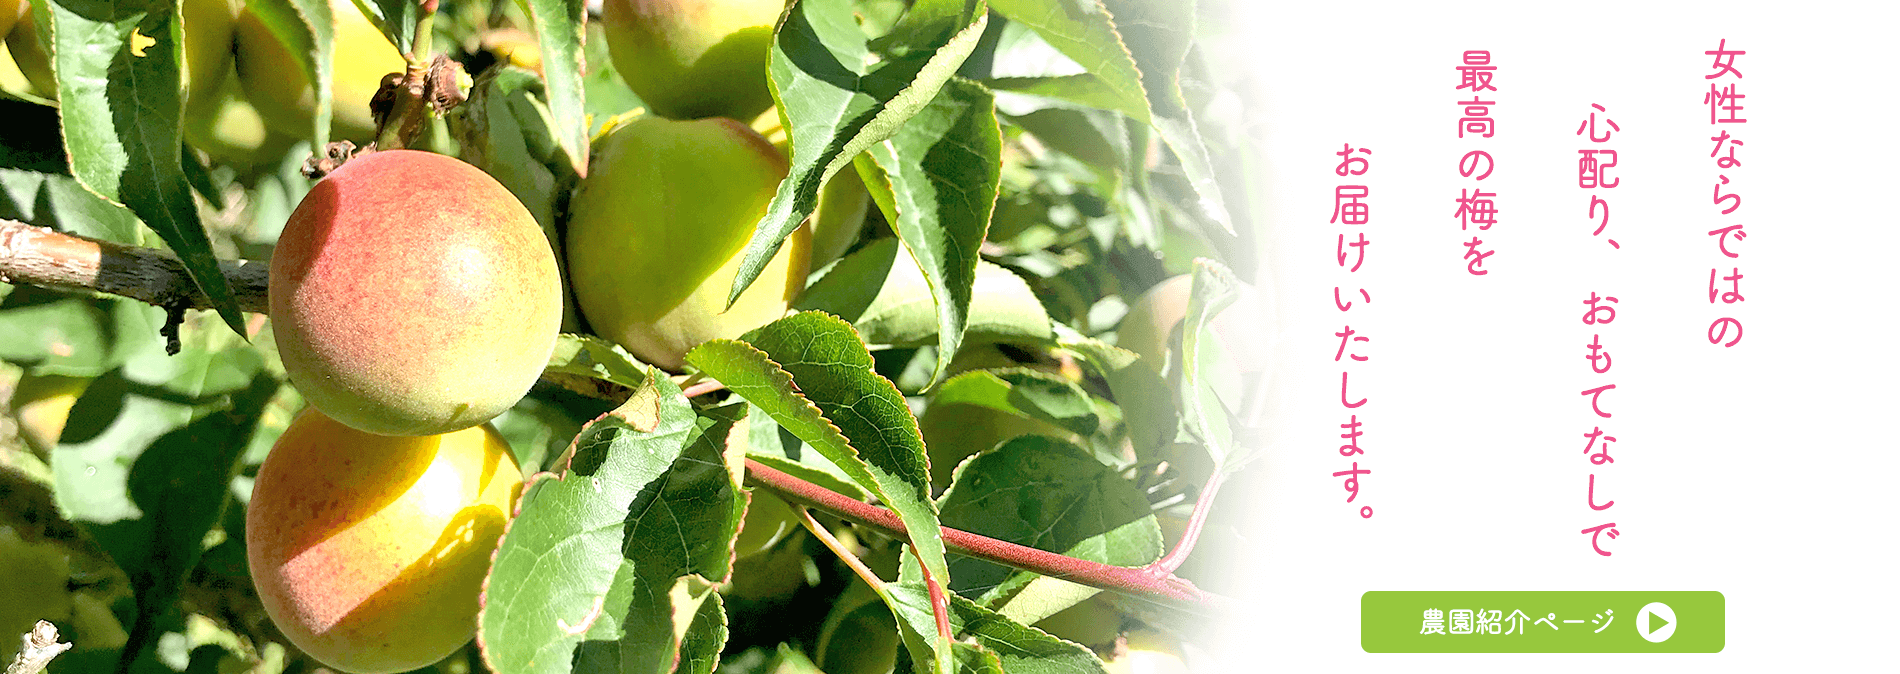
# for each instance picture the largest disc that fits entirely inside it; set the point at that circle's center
(37, 647)
(43, 257)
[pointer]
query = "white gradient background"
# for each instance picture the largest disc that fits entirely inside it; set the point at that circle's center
(1764, 471)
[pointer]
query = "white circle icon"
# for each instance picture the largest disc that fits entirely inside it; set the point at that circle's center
(1656, 622)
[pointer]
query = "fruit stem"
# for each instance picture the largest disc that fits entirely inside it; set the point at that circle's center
(1148, 582)
(824, 536)
(424, 38)
(428, 83)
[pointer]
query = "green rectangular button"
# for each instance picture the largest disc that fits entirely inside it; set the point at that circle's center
(1541, 622)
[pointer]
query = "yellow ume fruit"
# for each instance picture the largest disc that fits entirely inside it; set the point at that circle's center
(29, 53)
(369, 551)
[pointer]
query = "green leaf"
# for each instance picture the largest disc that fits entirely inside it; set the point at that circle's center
(653, 630)
(307, 29)
(121, 105)
(587, 569)
(1021, 649)
(941, 172)
(888, 300)
(968, 658)
(1158, 34)
(1085, 90)
(147, 457)
(1208, 387)
(59, 202)
(538, 431)
(395, 18)
(606, 95)
(1084, 31)
(1151, 36)
(1098, 138)
(1146, 400)
(51, 332)
(774, 446)
(838, 99)
(559, 26)
(596, 358)
(812, 375)
(1024, 392)
(199, 178)
(1078, 508)
(705, 637)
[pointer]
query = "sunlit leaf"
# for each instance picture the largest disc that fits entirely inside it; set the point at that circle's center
(587, 569)
(880, 290)
(940, 174)
(1079, 508)
(121, 106)
(838, 99)
(560, 25)
(812, 375)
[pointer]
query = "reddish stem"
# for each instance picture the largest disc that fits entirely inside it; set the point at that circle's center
(1196, 522)
(703, 388)
(939, 604)
(1145, 582)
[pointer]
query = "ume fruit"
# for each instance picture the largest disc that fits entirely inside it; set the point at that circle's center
(658, 227)
(689, 59)
(412, 294)
(369, 551)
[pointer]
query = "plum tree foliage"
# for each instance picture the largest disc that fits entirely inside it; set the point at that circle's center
(647, 335)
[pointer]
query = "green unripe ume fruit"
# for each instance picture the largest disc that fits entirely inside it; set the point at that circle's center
(413, 295)
(658, 229)
(689, 59)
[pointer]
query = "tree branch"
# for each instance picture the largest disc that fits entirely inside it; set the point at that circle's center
(43, 257)
(47, 258)
(37, 648)
(1144, 582)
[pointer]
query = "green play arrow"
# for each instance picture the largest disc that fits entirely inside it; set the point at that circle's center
(1654, 619)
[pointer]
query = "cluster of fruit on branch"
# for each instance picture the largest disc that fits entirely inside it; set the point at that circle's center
(447, 269)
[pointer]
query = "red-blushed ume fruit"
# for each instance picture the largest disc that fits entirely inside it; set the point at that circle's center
(369, 551)
(411, 294)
